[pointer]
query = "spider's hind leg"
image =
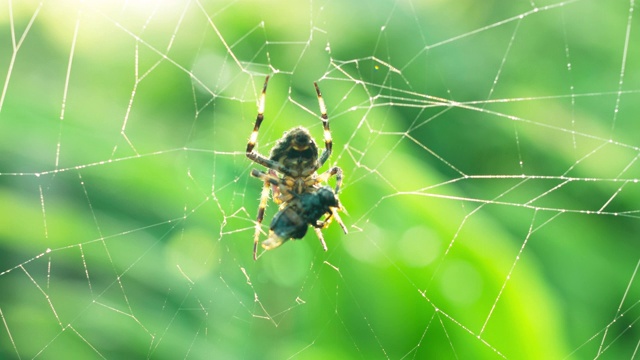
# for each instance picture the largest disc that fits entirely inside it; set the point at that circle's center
(320, 237)
(334, 171)
(264, 197)
(334, 214)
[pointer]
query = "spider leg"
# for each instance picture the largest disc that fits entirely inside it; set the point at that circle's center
(329, 173)
(263, 204)
(328, 143)
(321, 238)
(334, 213)
(256, 127)
(253, 138)
(277, 184)
(275, 189)
(270, 177)
(334, 210)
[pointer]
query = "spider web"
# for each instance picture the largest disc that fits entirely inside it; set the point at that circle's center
(491, 179)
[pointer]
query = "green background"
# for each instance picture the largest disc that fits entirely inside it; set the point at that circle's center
(491, 179)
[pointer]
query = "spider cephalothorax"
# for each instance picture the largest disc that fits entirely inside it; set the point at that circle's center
(302, 199)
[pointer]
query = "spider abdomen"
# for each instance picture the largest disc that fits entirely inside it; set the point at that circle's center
(297, 152)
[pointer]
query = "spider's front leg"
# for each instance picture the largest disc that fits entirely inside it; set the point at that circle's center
(328, 142)
(253, 138)
(256, 127)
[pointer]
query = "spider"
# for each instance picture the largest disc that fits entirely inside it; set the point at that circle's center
(297, 191)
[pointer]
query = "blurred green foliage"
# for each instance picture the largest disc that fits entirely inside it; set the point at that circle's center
(127, 209)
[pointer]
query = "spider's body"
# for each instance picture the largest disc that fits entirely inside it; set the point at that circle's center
(303, 201)
(297, 152)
